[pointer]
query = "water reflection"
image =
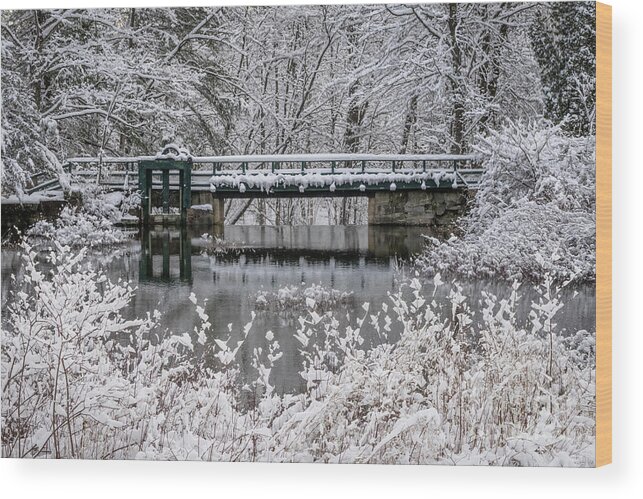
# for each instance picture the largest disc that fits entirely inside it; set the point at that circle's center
(380, 241)
(169, 245)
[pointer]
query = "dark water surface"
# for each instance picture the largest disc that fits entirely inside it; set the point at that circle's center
(167, 265)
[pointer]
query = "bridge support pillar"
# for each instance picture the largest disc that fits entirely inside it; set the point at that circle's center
(207, 210)
(218, 212)
(431, 208)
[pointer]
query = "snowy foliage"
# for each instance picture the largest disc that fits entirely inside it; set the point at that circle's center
(78, 380)
(215, 245)
(534, 212)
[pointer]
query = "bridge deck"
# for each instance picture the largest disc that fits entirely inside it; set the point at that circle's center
(289, 175)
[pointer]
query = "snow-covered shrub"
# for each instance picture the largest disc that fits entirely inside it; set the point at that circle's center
(78, 380)
(449, 393)
(60, 351)
(315, 296)
(112, 206)
(534, 212)
(77, 227)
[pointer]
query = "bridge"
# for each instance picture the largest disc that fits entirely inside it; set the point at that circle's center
(406, 189)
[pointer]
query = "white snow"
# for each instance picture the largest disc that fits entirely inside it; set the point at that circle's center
(34, 198)
(113, 198)
(266, 180)
(202, 207)
(534, 212)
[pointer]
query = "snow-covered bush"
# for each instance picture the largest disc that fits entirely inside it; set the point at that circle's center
(60, 351)
(112, 206)
(78, 380)
(215, 245)
(315, 296)
(451, 393)
(534, 212)
(77, 227)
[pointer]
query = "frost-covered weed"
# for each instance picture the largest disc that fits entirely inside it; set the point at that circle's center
(78, 380)
(218, 246)
(534, 213)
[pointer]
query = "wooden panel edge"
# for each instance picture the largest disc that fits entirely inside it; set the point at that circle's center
(603, 234)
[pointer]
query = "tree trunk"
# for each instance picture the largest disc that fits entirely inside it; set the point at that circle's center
(409, 124)
(457, 123)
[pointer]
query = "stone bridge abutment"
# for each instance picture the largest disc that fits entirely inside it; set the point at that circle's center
(438, 208)
(430, 208)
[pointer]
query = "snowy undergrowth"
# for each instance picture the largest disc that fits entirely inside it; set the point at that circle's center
(77, 227)
(534, 213)
(315, 297)
(78, 380)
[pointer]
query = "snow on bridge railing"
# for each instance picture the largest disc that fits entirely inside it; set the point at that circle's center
(324, 158)
(287, 158)
(294, 162)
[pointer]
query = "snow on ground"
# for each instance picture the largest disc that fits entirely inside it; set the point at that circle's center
(113, 198)
(34, 198)
(92, 224)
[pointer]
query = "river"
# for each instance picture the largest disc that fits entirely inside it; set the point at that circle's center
(244, 272)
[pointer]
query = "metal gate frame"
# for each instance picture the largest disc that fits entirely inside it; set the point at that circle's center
(146, 169)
